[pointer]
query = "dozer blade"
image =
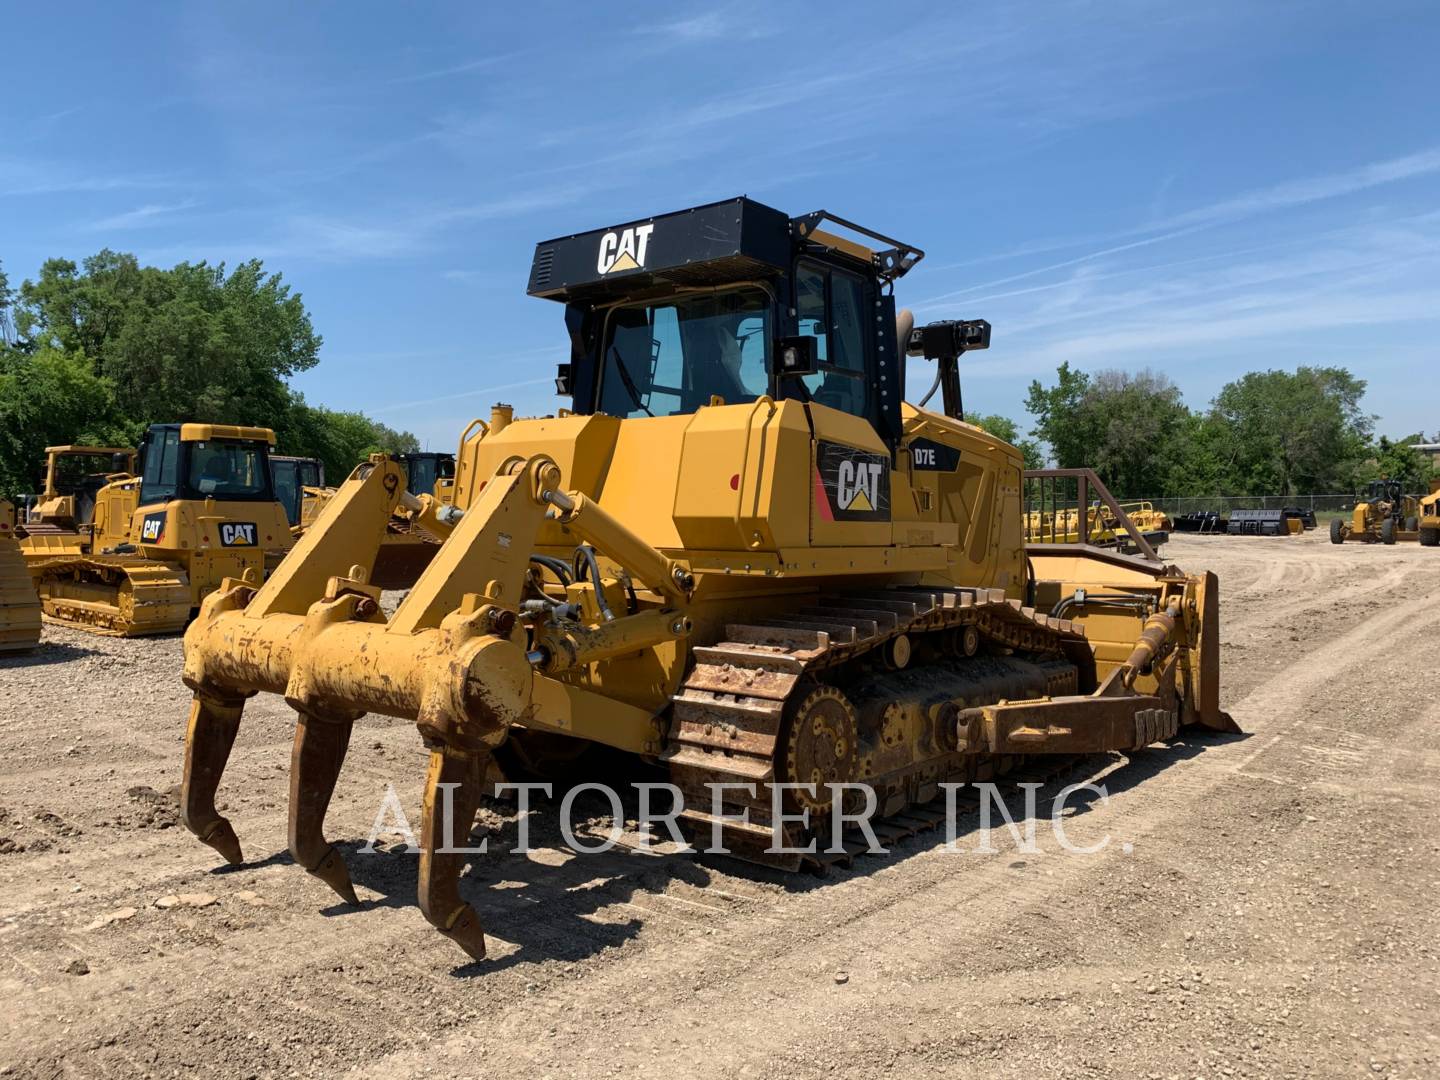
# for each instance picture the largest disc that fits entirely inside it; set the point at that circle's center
(19, 604)
(1206, 681)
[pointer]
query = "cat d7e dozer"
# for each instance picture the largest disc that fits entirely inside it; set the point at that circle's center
(739, 557)
(201, 509)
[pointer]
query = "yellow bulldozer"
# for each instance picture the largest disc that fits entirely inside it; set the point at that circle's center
(737, 555)
(19, 606)
(1428, 526)
(136, 552)
(1384, 514)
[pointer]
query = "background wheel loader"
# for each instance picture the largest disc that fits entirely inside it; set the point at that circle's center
(738, 556)
(201, 509)
(1384, 516)
(1428, 527)
(19, 606)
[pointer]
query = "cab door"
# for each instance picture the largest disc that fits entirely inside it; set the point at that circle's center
(851, 467)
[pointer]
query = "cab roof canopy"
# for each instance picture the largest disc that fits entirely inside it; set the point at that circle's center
(715, 244)
(87, 451)
(206, 432)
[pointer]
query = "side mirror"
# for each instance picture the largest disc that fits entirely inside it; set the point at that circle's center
(798, 356)
(564, 380)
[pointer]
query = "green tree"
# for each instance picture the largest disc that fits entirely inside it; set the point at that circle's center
(190, 343)
(340, 439)
(47, 398)
(1399, 460)
(99, 351)
(1060, 418)
(7, 327)
(1293, 432)
(1130, 428)
(1002, 427)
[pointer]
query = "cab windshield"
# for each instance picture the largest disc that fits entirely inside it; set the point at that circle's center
(673, 356)
(423, 471)
(229, 470)
(85, 473)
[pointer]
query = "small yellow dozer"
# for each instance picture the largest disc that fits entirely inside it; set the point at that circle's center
(738, 556)
(19, 605)
(201, 509)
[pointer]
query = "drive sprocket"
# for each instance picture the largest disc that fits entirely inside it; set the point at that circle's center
(822, 745)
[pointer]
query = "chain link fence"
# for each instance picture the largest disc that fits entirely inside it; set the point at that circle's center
(1321, 505)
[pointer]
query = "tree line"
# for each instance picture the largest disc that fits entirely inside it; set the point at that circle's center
(96, 352)
(1266, 433)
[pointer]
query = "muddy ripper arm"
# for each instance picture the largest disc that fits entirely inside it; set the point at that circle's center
(454, 658)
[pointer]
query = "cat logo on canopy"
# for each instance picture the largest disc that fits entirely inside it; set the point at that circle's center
(851, 484)
(624, 250)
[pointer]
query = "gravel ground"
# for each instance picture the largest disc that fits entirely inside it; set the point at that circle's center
(1265, 906)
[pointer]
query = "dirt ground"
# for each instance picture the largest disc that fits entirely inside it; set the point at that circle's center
(1266, 905)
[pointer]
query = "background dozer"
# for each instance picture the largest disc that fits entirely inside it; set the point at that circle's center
(201, 509)
(291, 476)
(62, 518)
(419, 524)
(1384, 515)
(738, 556)
(19, 606)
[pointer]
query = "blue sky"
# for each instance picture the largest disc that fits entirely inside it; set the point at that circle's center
(1198, 189)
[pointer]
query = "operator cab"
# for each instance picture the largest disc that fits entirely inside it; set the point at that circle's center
(79, 472)
(725, 303)
(423, 470)
(206, 461)
(291, 476)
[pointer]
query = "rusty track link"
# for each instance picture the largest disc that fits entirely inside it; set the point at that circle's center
(731, 721)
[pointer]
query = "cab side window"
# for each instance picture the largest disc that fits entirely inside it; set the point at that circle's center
(162, 463)
(830, 306)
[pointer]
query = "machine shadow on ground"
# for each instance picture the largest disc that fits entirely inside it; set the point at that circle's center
(546, 903)
(46, 653)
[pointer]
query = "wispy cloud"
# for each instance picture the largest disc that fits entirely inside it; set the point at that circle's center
(727, 24)
(140, 217)
(1233, 310)
(1289, 195)
(1296, 193)
(484, 391)
(20, 176)
(468, 67)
